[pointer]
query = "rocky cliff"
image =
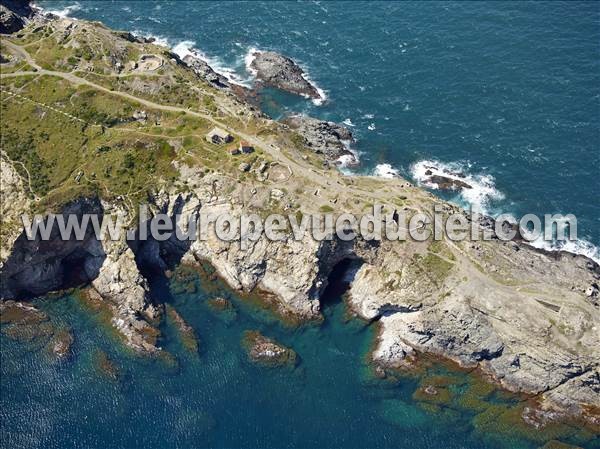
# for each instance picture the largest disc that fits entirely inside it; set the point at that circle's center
(528, 319)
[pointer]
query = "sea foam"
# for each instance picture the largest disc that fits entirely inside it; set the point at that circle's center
(65, 12)
(385, 171)
(483, 189)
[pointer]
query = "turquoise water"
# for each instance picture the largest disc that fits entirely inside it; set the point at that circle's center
(217, 398)
(508, 92)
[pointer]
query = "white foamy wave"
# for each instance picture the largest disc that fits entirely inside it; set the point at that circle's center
(346, 161)
(581, 247)
(385, 171)
(184, 48)
(482, 189)
(249, 58)
(371, 127)
(187, 48)
(65, 11)
(322, 94)
(348, 122)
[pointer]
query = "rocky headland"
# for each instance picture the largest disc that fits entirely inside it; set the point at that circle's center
(528, 319)
(275, 70)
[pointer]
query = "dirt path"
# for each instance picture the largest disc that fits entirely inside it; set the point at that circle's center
(325, 181)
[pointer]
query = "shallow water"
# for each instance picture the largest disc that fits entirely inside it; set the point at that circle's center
(509, 92)
(217, 398)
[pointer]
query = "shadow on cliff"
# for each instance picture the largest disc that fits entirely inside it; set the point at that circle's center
(339, 280)
(39, 266)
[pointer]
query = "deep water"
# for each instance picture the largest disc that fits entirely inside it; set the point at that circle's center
(218, 398)
(507, 92)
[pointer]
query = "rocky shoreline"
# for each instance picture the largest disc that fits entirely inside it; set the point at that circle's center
(275, 70)
(527, 319)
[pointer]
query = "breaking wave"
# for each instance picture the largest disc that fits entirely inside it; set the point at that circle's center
(581, 247)
(385, 171)
(479, 196)
(65, 12)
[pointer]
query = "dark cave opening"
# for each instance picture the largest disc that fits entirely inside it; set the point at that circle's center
(339, 280)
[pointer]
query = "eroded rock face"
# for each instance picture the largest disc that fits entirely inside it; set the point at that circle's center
(275, 70)
(9, 21)
(38, 266)
(326, 138)
(530, 340)
(205, 71)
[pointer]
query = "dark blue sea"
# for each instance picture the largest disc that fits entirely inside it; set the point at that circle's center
(508, 93)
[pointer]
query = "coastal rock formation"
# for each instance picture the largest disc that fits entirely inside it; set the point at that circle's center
(206, 72)
(267, 351)
(186, 332)
(14, 201)
(9, 21)
(38, 266)
(275, 70)
(13, 15)
(326, 138)
(527, 318)
(61, 343)
(505, 331)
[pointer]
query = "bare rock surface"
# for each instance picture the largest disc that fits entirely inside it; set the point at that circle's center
(327, 138)
(275, 70)
(266, 351)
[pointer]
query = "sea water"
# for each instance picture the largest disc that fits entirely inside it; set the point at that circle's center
(508, 93)
(219, 398)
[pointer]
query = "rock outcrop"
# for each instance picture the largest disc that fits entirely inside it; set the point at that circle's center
(266, 351)
(275, 70)
(327, 138)
(505, 331)
(206, 72)
(13, 15)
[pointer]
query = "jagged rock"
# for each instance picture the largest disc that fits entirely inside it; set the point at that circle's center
(10, 22)
(327, 138)
(275, 70)
(220, 303)
(446, 183)
(206, 72)
(106, 366)
(188, 336)
(266, 351)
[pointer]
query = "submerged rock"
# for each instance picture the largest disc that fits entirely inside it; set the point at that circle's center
(105, 365)
(219, 303)
(188, 336)
(266, 351)
(275, 70)
(24, 323)
(61, 343)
